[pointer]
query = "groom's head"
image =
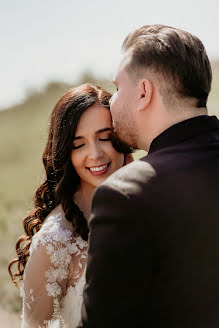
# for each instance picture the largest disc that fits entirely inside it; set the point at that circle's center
(164, 77)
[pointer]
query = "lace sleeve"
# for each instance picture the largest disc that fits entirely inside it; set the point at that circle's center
(46, 273)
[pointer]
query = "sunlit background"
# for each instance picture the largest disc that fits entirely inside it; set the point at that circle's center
(46, 40)
(48, 46)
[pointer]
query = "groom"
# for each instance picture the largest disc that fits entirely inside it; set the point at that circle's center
(154, 230)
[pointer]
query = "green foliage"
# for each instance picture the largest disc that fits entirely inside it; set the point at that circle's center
(24, 130)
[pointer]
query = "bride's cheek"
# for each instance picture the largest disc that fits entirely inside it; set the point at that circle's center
(111, 148)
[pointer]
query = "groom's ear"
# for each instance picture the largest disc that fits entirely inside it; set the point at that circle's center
(145, 92)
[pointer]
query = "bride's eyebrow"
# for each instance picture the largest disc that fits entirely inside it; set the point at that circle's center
(103, 130)
(97, 132)
(79, 137)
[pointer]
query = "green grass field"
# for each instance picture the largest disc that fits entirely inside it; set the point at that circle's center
(23, 135)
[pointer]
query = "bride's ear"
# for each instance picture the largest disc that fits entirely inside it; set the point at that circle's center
(128, 158)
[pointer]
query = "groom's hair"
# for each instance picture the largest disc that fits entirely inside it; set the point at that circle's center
(177, 57)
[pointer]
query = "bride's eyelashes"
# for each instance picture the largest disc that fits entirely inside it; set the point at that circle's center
(77, 147)
(105, 139)
(106, 136)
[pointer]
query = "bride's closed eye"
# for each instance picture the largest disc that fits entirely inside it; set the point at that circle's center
(100, 139)
(77, 147)
(106, 136)
(78, 142)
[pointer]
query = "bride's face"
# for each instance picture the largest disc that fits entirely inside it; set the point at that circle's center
(93, 155)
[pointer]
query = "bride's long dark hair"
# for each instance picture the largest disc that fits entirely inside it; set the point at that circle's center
(61, 180)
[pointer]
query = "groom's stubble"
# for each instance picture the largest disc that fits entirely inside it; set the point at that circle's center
(125, 127)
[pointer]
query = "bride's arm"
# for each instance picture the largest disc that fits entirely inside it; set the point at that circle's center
(44, 284)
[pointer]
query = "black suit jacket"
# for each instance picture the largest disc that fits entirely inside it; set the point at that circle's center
(154, 236)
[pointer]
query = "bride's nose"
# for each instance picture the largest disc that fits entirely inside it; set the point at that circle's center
(95, 152)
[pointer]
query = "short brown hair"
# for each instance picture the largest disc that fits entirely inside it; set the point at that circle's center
(176, 55)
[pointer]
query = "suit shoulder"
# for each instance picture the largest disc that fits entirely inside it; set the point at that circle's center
(131, 176)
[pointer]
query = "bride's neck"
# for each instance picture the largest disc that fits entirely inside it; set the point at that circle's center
(83, 198)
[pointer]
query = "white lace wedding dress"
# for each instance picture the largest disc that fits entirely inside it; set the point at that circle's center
(54, 276)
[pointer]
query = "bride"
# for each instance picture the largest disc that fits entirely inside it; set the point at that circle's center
(52, 256)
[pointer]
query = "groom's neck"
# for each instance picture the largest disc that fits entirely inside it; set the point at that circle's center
(164, 120)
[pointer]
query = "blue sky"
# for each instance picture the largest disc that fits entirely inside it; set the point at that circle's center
(44, 40)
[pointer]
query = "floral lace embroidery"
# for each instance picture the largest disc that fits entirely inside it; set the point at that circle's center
(58, 245)
(51, 232)
(29, 299)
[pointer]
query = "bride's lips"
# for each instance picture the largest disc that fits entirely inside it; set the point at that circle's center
(99, 170)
